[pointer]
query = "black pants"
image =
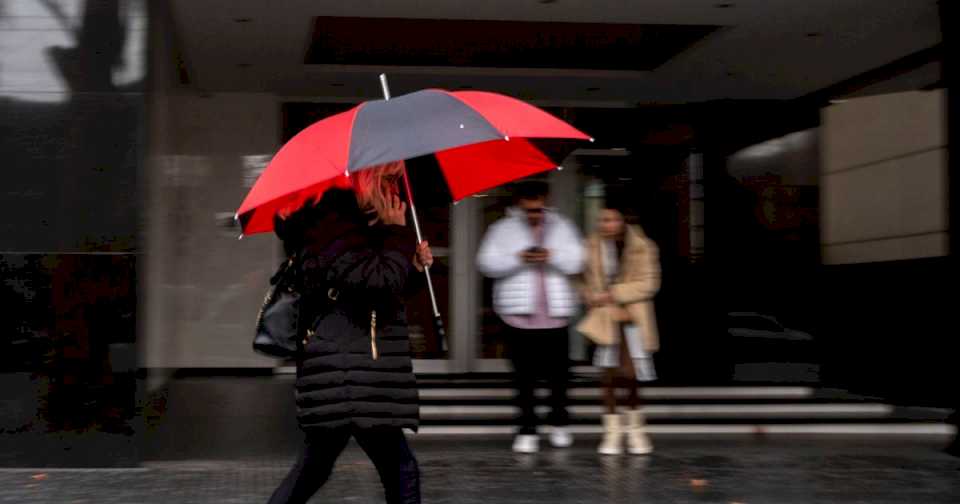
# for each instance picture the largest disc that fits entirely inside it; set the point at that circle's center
(387, 448)
(540, 354)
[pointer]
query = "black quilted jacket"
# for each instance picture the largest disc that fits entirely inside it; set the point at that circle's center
(354, 367)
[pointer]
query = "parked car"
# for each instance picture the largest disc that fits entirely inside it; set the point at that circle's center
(764, 350)
(757, 325)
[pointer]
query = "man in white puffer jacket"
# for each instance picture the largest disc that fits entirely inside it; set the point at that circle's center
(531, 254)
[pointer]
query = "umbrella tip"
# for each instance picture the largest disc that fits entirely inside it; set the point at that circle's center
(591, 140)
(507, 138)
(240, 237)
(236, 216)
(560, 168)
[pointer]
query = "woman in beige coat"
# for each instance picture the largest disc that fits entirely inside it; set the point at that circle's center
(621, 277)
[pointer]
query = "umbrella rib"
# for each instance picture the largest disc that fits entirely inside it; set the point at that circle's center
(488, 121)
(353, 121)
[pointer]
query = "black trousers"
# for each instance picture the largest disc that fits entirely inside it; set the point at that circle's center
(387, 448)
(540, 354)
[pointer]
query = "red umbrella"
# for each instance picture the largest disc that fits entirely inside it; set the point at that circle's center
(479, 139)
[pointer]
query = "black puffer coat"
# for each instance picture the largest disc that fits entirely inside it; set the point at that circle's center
(355, 367)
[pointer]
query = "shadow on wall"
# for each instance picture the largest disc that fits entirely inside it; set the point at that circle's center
(71, 127)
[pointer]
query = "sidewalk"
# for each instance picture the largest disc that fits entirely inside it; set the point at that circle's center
(712, 470)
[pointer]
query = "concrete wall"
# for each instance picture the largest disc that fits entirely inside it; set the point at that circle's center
(206, 285)
(883, 179)
(201, 287)
(885, 245)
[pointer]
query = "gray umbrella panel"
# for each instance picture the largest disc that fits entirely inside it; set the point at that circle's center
(414, 125)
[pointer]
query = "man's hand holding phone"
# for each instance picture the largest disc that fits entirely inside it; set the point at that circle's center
(535, 255)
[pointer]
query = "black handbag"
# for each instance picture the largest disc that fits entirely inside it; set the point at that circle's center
(277, 329)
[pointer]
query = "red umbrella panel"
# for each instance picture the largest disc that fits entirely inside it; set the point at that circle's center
(476, 168)
(479, 139)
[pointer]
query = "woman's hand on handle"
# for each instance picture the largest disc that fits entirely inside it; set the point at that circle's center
(423, 257)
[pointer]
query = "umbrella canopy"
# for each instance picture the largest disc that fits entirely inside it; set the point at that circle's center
(479, 139)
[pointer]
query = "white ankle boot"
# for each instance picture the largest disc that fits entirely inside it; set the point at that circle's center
(612, 443)
(638, 443)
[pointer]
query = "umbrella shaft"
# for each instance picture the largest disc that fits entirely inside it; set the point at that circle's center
(413, 213)
(413, 208)
(433, 295)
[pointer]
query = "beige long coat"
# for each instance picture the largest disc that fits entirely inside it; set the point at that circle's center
(632, 290)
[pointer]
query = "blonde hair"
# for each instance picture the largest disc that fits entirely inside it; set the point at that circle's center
(371, 186)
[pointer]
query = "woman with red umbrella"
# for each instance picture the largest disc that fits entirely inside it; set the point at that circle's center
(354, 372)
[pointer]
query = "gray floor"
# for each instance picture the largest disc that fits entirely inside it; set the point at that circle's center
(711, 470)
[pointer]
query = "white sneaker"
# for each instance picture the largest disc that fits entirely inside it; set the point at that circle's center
(526, 443)
(560, 437)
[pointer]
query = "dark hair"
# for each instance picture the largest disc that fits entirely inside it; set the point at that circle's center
(618, 199)
(531, 190)
(294, 229)
(622, 200)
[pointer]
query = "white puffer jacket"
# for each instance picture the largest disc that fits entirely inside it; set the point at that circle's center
(513, 291)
